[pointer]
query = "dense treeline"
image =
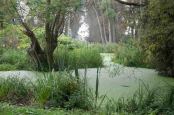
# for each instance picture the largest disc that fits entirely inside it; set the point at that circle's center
(159, 34)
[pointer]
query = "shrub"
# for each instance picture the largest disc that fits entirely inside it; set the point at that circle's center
(12, 37)
(130, 53)
(17, 59)
(144, 101)
(7, 67)
(52, 90)
(104, 48)
(77, 58)
(12, 56)
(62, 90)
(70, 43)
(15, 91)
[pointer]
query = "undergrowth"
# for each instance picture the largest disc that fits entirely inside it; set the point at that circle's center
(130, 53)
(52, 90)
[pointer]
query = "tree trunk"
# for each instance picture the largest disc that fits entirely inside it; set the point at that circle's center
(113, 31)
(104, 30)
(38, 57)
(35, 51)
(109, 31)
(49, 50)
(99, 24)
(43, 57)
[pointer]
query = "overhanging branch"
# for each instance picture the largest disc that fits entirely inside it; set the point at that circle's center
(131, 3)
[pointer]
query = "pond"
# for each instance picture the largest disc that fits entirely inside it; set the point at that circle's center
(114, 80)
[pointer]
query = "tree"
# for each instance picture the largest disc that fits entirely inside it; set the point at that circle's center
(159, 34)
(53, 14)
(115, 17)
(106, 15)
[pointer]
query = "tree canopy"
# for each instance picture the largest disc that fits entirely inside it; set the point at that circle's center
(159, 34)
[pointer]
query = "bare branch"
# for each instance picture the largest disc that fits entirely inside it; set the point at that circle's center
(131, 3)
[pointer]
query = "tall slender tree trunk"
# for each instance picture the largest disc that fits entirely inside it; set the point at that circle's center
(113, 32)
(109, 31)
(104, 29)
(117, 30)
(99, 23)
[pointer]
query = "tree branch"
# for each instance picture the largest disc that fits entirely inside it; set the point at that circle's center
(131, 3)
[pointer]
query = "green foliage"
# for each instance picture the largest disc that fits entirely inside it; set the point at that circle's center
(12, 56)
(62, 90)
(130, 53)
(144, 101)
(104, 48)
(15, 91)
(7, 67)
(17, 59)
(12, 37)
(54, 6)
(69, 55)
(9, 8)
(77, 58)
(69, 42)
(52, 14)
(106, 6)
(7, 11)
(158, 34)
(7, 109)
(52, 90)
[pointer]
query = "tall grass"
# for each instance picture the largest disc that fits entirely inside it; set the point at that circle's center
(144, 101)
(15, 91)
(62, 90)
(65, 58)
(77, 58)
(52, 90)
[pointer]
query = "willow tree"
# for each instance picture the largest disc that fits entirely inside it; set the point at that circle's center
(53, 15)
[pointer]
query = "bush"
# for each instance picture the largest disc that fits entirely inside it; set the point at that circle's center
(158, 34)
(70, 43)
(62, 90)
(7, 67)
(77, 58)
(144, 102)
(15, 91)
(16, 58)
(104, 48)
(12, 56)
(130, 53)
(52, 90)
(12, 37)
